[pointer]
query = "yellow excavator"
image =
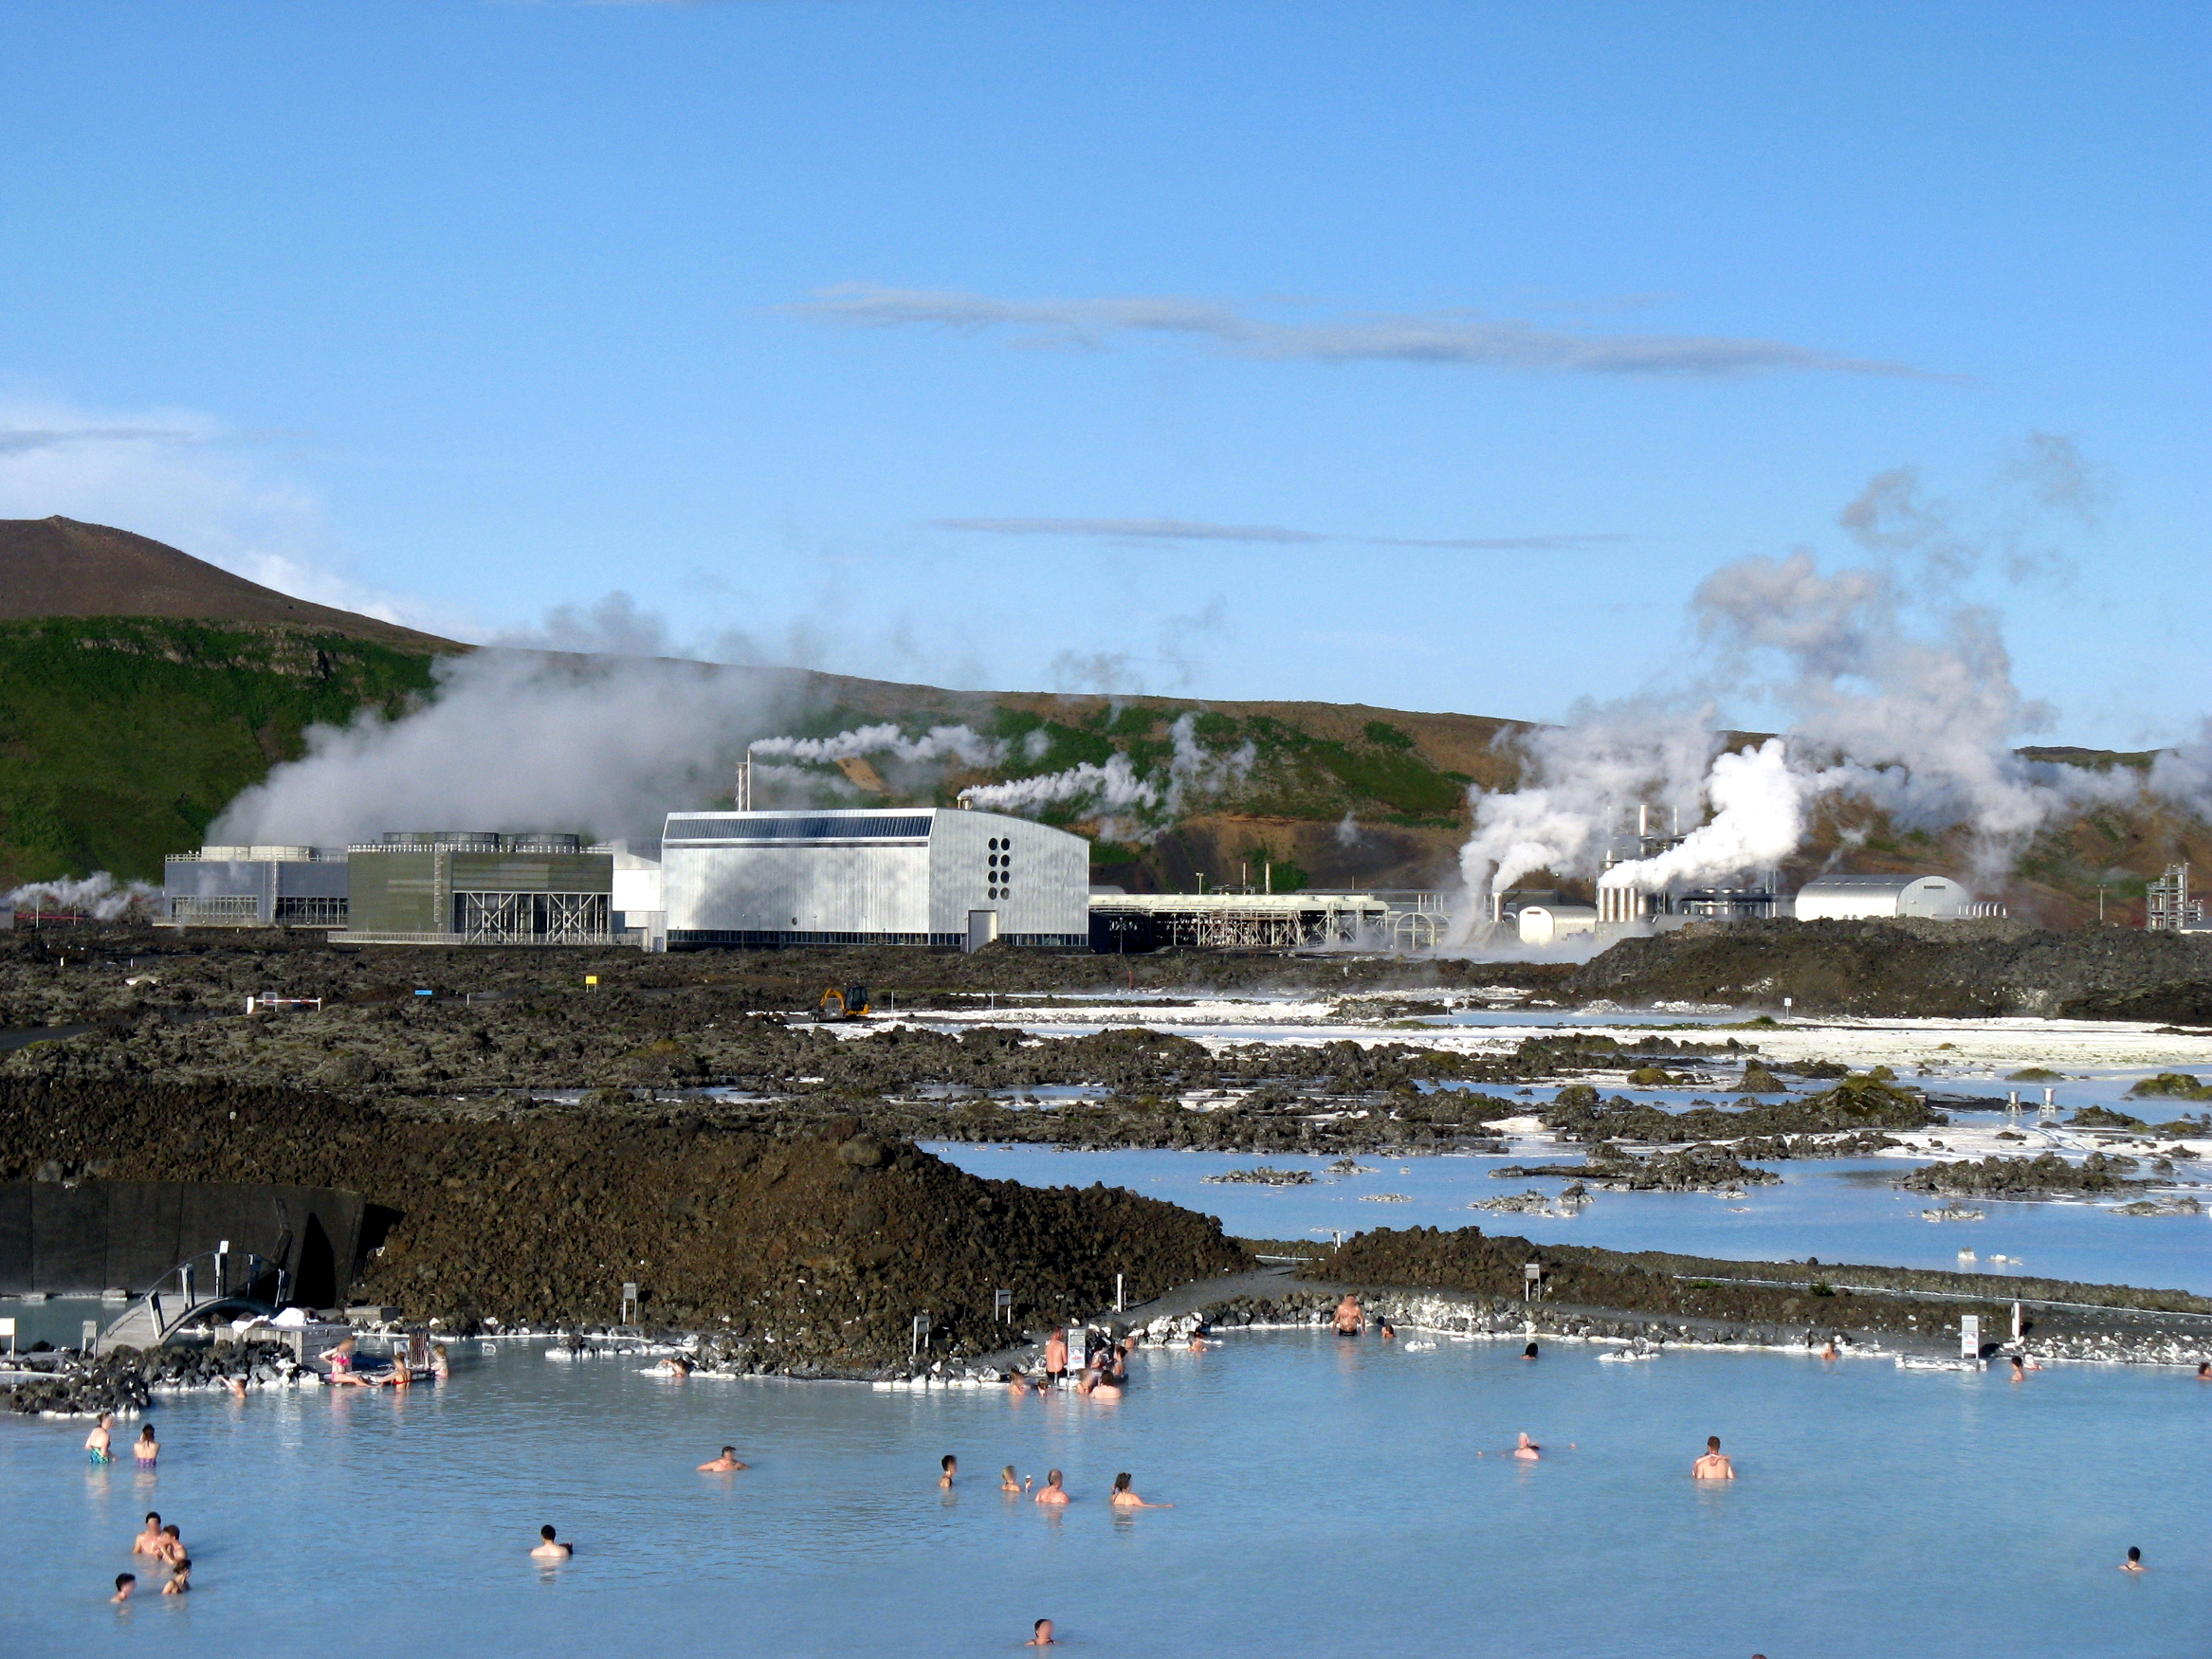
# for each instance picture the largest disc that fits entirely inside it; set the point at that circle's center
(851, 1003)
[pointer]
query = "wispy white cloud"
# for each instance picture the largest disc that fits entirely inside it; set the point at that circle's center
(183, 478)
(1140, 530)
(1451, 336)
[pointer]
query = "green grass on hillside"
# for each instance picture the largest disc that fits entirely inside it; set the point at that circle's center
(121, 738)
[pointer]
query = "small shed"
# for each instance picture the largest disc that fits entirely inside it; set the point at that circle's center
(1541, 925)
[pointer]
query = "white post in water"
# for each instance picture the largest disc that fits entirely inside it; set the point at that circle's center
(8, 1330)
(1787, 1004)
(1002, 1305)
(627, 1315)
(223, 1268)
(922, 1324)
(1532, 1282)
(2020, 1327)
(1118, 1308)
(91, 1334)
(1971, 1335)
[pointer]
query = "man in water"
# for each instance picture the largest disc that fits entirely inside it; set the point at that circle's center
(2134, 1562)
(148, 1542)
(1052, 1491)
(1040, 1634)
(125, 1583)
(1712, 1465)
(1527, 1450)
(951, 1465)
(727, 1464)
(1351, 1318)
(1056, 1355)
(549, 1548)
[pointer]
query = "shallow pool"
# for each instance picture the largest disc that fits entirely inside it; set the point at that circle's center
(1327, 1498)
(1838, 1209)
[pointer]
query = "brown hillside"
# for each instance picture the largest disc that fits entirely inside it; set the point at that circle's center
(56, 566)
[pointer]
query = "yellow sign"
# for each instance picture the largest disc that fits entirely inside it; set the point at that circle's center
(591, 979)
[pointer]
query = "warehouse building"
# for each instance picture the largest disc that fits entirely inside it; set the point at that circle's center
(254, 886)
(1872, 898)
(946, 877)
(453, 888)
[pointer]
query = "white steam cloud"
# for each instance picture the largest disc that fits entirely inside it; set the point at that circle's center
(961, 744)
(99, 895)
(1896, 691)
(514, 740)
(1113, 790)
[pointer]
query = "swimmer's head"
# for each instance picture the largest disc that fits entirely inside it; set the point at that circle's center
(1006, 1473)
(146, 1433)
(1530, 1352)
(1053, 1477)
(729, 1451)
(125, 1579)
(170, 1531)
(545, 1532)
(2134, 1554)
(1712, 1443)
(154, 1518)
(1122, 1482)
(948, 1463)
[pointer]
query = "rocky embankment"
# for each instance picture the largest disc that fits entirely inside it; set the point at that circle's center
(1958, 969)
(816, 1249)
(2099, 1174)
(1590, 1292)
(124, 1380)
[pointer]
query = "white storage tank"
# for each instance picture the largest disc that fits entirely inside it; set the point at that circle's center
(1541, 925)
(872, 875)
(1870, 898)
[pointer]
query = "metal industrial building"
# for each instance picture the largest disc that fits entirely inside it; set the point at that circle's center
(1127, 923)
(254, 886)
(451, 886)
(1865, 897)
(916, 876)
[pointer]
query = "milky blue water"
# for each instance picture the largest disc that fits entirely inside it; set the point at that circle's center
(1840, 1210)
(1327, 1498)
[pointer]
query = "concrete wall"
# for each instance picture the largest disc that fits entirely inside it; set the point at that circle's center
(91, 1236)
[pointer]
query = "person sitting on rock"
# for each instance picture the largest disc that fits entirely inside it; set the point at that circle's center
(1712, 1465)
(1052, 1491)
(341, 1365)
(549, 1548)
(727, 1464)
(1351, 1319)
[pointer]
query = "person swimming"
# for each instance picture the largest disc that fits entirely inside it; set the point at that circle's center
(1351, 1319)
(1530, 1352)
(549, 1548)
(125, 1583)
(1125, 1495)
(1052, 1492)
(1387, 1331)
(1040, 1634)
(727, 1464)
(1198, 1339)
(146, 1449)
(1008, 1479)
(1712, 1465)
(181, 1578)
(1829, 1352)
(148, 1542)
(2134, 1562)
(1527, 1449)
(951, 1465)
(99, 1445)
(2204, 1371)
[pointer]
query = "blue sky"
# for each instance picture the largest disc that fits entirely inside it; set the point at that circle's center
(1425, 356)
